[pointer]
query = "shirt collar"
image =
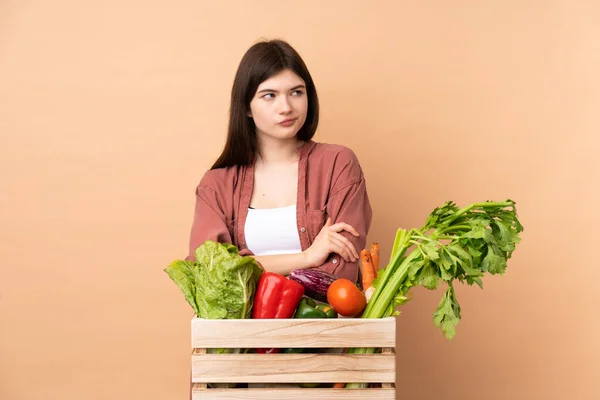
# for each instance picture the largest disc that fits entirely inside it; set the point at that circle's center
(306, 147)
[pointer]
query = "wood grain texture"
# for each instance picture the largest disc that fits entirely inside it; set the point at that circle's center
(291, 368)
(293, 394)
(303, 333)
(199, 385)
(388, 350)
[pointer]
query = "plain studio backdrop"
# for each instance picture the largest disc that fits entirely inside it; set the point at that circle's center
(110, 112)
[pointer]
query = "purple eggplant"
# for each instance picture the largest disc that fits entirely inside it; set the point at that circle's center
(315, 282)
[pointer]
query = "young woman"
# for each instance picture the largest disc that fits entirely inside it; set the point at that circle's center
(274, 193)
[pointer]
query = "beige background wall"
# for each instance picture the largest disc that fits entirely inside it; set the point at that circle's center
(111, 111)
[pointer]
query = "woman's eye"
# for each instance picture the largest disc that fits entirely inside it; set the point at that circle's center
(297, 92)
(269, 96)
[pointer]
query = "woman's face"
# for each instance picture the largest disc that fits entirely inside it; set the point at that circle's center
(279, 106)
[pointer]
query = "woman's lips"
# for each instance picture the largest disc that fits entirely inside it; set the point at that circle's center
(288, 122)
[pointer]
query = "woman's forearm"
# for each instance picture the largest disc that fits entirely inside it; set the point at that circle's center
(284, 263)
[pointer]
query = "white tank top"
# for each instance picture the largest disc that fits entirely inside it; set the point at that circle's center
(272, 231)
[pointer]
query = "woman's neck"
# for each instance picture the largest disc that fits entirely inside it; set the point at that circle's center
(276, 151)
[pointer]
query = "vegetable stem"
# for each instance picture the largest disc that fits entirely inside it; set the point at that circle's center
(440, 251)
(378, 305)
(454, 228)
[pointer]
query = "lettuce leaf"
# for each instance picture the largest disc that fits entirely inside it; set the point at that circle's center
(220, 284)
(182, 273)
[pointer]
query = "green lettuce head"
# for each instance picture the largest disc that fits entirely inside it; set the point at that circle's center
(220, 284)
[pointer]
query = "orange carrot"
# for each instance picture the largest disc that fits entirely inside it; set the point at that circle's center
(375, 258)
(368, 274)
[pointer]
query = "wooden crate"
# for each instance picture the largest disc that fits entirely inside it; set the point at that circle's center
(293, 368)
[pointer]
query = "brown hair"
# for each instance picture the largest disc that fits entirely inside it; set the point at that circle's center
(262, 61)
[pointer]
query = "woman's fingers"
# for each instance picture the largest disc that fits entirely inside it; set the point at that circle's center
(349, 245)
(342, 226)
(336, 246)
(344, 248)
(346, 243)
(331, 241)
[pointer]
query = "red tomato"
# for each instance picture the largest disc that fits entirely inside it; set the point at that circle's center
(346, 298)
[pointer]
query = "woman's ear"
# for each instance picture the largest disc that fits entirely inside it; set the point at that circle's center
(249, 113)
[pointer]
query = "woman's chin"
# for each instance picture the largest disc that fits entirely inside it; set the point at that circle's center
(281, 134)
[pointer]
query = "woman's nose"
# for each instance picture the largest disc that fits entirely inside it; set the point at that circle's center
(284, 106)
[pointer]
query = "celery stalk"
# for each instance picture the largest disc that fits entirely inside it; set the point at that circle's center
(454, 244)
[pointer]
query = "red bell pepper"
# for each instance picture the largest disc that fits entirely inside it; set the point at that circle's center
(276, 297)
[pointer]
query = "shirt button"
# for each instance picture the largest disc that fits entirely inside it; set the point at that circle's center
(303, 229)
(334, 261)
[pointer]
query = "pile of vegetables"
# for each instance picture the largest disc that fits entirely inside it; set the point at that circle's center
(453, 245)
(341, 294)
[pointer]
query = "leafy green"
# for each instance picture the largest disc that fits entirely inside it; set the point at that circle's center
(220, 284)
(183, 274)
(453, 245)
(447, 314)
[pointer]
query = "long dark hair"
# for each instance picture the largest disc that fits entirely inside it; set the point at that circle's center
(262, 61)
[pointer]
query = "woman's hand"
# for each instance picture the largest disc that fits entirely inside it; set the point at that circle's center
(329, 240)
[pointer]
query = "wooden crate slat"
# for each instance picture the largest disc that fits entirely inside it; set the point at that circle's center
(293, 394)
(292, 368)
(387, 350)
(300, 333)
